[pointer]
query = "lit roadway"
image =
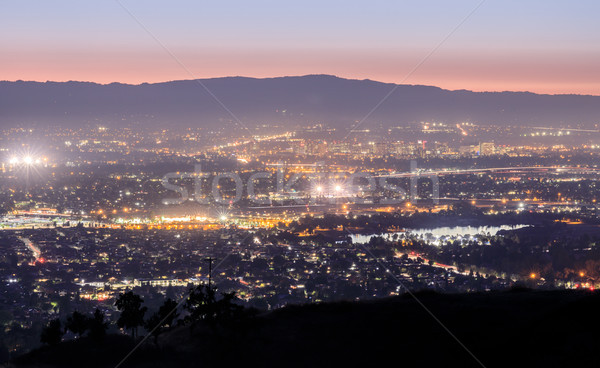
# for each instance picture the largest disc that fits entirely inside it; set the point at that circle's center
(35, 250)
(508, 170)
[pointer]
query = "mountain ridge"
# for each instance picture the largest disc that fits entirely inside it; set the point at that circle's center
(232, 77)
(290, 77)
(293, 99)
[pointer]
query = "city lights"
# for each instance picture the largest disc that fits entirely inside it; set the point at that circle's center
(122, 203)
(26, 160)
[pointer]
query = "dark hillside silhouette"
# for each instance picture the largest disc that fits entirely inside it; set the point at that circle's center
(513, 328)
(281, 100)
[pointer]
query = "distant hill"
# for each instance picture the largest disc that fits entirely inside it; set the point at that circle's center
(311, 98)
(502, 329)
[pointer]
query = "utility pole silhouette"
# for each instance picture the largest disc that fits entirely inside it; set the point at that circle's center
(210, 261)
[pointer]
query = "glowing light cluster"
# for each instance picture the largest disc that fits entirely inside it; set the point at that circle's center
(336, 188)
(27, 160)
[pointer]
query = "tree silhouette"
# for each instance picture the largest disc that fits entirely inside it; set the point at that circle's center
(164, 317)
(132, 312)
(77, 323)
(203, 306)
(52, 333)
(97, 326)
